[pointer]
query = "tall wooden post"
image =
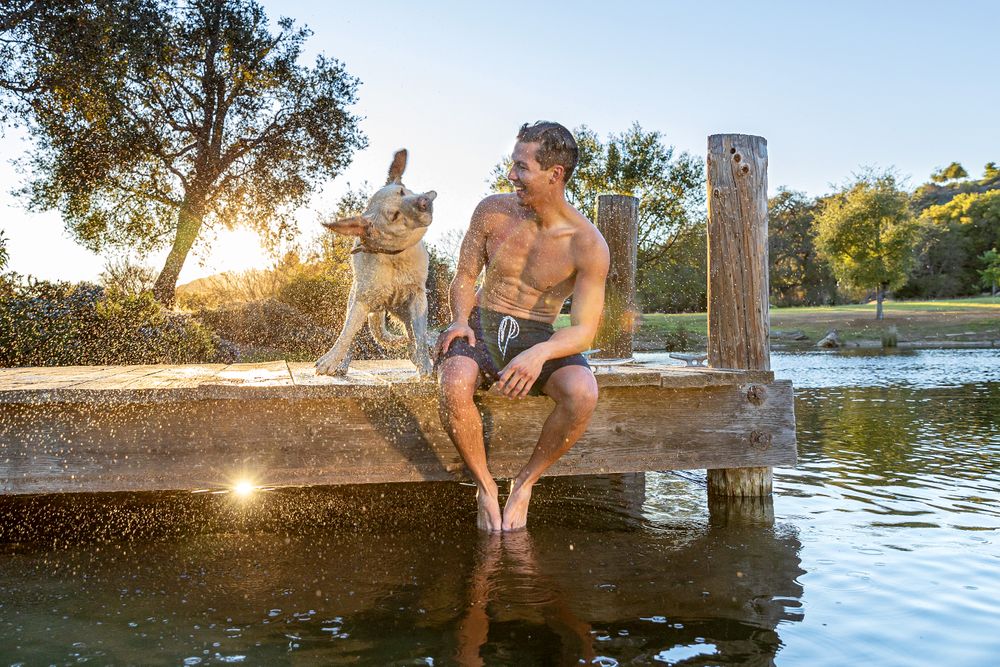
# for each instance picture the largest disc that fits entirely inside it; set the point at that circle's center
(618, 221)
(738, 317)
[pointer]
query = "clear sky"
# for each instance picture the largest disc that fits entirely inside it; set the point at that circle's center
(832, 86)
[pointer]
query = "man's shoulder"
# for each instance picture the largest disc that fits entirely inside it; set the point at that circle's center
(588, 242)
(503, 203)
(587, 232)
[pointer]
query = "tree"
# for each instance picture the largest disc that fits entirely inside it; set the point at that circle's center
(990, 276)
(866, 232)
(991, 171)
(671, 189)
(797, 274)
(4, 253)
(952, 172)
(156, 120)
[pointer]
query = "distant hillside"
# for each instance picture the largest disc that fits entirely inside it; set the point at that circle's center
(932, 194)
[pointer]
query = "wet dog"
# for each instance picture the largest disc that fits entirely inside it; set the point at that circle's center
(390, 266)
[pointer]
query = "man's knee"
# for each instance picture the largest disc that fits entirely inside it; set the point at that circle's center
(457, 381)
(575, 389)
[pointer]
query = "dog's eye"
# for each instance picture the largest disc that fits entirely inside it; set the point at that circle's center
(395, 216)
(402, 192)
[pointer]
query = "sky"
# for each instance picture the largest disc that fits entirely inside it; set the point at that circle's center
(833, 87)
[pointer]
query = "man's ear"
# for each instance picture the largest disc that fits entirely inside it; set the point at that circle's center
(397, 167)
(559, 172)
(354, 226)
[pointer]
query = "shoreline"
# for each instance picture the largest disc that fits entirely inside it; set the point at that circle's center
(858, 345)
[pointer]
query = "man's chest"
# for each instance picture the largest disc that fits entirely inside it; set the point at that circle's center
(537, 258)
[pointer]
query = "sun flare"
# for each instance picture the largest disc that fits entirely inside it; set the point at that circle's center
(244, 488)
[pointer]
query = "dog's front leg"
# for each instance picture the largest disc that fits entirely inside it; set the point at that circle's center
(416, 327)
(335, 361)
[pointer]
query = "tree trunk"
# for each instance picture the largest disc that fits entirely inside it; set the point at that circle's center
(188, 225)
(879, 295)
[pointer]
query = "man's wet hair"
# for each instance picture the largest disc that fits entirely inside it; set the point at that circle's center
(557, 145)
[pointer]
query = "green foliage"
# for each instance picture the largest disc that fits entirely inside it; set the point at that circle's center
(953, 236)
(989, 277)
(152, 119)
(866, 232)
(439, 276)
(679, 283)
(53, 324)
(127, 276)
(935, 194)
(353, 202)
(269, 329)
(940, 268)
(976, 214)
(798, 276)
(952, 172)
(4, 253)
(670, 188)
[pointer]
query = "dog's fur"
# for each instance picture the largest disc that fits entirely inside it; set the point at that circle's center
(390, 270)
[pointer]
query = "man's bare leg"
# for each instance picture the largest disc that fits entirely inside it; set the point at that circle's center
(457, 384)
(574, 390)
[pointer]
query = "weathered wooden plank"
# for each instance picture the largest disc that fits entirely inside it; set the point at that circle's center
(53, 377)
(125, 384)
(188, 376)
(626, 376)
(265, 374)
(304, 375)
(678, 377)
(391, 435)
(119, 378)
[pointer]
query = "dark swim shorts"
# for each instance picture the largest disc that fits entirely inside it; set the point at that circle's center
(501, 337)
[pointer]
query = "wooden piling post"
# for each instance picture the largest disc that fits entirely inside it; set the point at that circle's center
(618, 221)
(738, 317)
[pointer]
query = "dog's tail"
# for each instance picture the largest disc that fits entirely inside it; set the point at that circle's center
(381, 333)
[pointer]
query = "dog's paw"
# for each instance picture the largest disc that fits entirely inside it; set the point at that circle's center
(326, 367)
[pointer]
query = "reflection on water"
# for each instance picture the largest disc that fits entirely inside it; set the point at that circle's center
(593, 579)
(880, 548)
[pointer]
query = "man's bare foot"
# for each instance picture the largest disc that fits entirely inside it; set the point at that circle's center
(515, 512)
(488, 515)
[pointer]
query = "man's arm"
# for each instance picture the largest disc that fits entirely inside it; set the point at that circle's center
(588, 302)
(462, 293)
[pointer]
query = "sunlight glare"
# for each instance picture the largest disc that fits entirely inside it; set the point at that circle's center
(244, 488)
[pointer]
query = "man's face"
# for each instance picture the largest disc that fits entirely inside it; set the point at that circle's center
(529, 179)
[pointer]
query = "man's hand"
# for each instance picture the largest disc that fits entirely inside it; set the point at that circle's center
(517, 377)
(455, 330)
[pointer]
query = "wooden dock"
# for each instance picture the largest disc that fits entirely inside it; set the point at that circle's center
(208, 427)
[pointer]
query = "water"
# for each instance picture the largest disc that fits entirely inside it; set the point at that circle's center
(883, 550)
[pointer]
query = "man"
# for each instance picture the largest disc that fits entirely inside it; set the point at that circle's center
(537, 251)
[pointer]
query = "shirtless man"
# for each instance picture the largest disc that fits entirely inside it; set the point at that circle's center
(537, 250)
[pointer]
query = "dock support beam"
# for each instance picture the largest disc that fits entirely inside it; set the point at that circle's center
(738, 317)
(618, 221)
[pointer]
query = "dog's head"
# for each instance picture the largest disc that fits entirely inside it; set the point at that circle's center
(396, 217)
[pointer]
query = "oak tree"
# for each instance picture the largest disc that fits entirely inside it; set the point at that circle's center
(156, 120)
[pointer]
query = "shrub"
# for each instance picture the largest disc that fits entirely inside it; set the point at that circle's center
(681, 339)
(46, 323)
(268, 329)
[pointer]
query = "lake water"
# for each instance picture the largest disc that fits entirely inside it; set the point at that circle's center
(883, 550)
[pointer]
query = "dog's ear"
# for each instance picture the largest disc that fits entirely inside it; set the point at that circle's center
(354, 226)
(397, 167)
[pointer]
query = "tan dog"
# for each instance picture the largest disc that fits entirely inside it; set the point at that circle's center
(390, 270)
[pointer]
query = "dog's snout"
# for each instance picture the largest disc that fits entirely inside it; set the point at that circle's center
(423, 203)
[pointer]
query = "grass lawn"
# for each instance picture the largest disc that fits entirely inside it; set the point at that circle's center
(974, 318)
